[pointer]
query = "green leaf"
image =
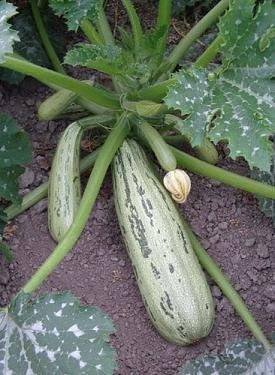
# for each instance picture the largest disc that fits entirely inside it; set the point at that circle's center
(242, 357)
(249, 42)
(54, 334)
(235, 103)
(75, 11)
(15, 150)
(6, 251)
(108, 59)
(266, 205)
(7, 35)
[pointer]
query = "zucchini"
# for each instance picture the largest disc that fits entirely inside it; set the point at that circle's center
(207, 152)
(56, 104)
(162, 151)
(64, 192)
(172, 284)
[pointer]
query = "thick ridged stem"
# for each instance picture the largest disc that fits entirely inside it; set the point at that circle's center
(91, 33)
(224, 284)
(98, 96)
(45, 38)
(157, 91)
(208, 20)
(164, 20)
(135, 22)
(104, 28)
(102, 163)
(232, 179)
(209, 54)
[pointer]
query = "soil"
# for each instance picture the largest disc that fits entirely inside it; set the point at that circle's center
(229, 222)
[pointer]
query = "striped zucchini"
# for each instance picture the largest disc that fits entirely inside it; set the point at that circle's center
(171, 281)
(64, 192)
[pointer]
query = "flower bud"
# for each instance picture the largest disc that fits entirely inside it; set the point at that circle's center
(178, 183)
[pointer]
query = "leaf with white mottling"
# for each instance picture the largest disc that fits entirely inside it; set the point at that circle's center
(75, 11)
(108, 59)
(7, 35)
(267, 205)
(249, 42)
(15, 150)
(54, 334)
(237, 103)
(243, 357)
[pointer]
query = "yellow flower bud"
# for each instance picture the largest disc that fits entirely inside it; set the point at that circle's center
(178, 183)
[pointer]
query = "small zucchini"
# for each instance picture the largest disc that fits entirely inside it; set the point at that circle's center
(56, 104)
(64, 192)
(171, 281)
(158, 145)
(207, 152)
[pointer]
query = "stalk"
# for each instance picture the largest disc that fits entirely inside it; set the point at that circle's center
(135, 22)
(104, 28)
(232, 179)
(102, 163)
(181, 49)
(91, 33)
(45, 38)
(209, 54)
(224, 284)
(108, 38)
(157, 91)
(42, 3)
(96, 95)
(164, 20)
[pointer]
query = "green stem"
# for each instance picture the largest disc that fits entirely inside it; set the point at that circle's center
(104, 28)
(181, 49)
(107, 35)
(91, 121)
(98, 96)
(232, 179)
(217, 275)
(156, 92)
(135, 22)
(45, 38)
(209, 54)
(42, 3)
(90, 31)
(102, 163)
(164, 20)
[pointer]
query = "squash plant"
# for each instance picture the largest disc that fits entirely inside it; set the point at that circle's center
(200, 103)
